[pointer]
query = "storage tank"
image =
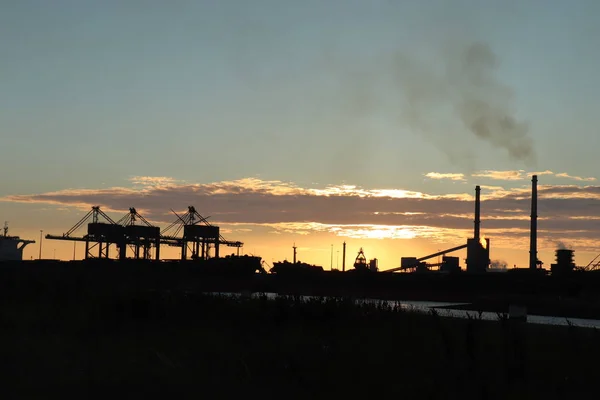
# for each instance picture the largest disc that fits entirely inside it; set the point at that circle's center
(373, 265)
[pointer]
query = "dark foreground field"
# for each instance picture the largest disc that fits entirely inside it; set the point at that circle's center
(171, 344)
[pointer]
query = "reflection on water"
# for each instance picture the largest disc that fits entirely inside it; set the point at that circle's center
(534, 319)
(427, 306)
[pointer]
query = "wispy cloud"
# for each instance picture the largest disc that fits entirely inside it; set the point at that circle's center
(517, 175)
(568, 211)
(546, 172)
(153, 181)
(501, 175)
(450, 176)
(576, 178)
(369, 231)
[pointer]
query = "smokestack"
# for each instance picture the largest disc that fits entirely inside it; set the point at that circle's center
(344, 258)
(533, 230)
(294, 247)
(477, 213)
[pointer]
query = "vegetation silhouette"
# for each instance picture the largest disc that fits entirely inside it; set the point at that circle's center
(141, 341)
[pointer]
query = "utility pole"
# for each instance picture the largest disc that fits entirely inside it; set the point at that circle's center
(74, 244)
(344, 258)
(40, 256)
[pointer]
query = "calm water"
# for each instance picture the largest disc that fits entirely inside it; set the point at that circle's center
(427, 306)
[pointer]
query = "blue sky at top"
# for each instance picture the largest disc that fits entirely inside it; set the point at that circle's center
(95, 92)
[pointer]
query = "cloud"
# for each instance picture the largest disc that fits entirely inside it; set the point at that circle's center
(450, 176)
(491, 188)
(546, 172)
(576, 178)
(152, 180)
(517, 175)
(500, 175)
(566, 212)
(367, 231)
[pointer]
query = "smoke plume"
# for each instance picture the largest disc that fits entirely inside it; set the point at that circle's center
(463, 95)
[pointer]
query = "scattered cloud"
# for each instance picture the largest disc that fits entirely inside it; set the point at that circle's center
(155, 181)
(492, 188)
(518, 175)
(450, 176)
(350, 190)
(566, 212)
(546, 172)
(501, 175)
(576, 178)
(367, 231)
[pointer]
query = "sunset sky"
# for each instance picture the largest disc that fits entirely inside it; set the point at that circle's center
(311, 122)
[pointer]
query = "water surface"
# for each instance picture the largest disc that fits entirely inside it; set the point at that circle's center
(448, 311)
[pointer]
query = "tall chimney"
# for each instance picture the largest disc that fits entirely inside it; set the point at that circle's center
(477, 213)
(533, 230)
(294, 253)
(344, 258)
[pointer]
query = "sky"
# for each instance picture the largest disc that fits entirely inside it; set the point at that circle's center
(307, 122)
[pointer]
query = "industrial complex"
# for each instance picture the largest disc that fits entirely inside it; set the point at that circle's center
(133, 237)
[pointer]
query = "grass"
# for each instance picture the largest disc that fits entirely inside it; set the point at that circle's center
(150, 343)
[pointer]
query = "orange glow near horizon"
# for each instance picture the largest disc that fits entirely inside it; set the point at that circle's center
(316, 248)
(388, 226)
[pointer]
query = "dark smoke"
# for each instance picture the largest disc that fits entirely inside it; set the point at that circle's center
(467, 94)
(561, 245)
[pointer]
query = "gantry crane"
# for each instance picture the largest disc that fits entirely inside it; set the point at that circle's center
(99, 234)
(122, 233)
(140, 236)
(198, 236)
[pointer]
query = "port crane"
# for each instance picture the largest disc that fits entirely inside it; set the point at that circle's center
(140, 235)
(199, 236)
(103, 231)
(135, 232)
(100, 234)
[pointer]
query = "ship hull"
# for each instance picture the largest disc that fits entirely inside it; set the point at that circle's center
(10, 249)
